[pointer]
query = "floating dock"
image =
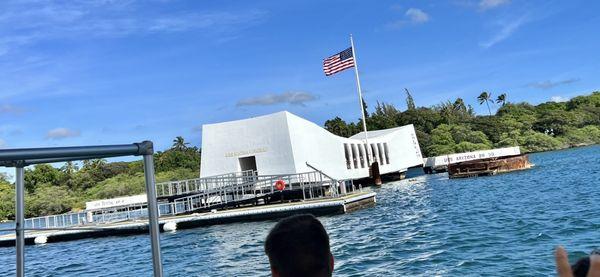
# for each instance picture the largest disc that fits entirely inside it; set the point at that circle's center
(322, 206)
(228, 198)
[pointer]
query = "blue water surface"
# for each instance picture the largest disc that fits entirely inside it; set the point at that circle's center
(505, 225)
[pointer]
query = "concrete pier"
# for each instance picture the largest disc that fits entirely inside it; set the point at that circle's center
(322, 206)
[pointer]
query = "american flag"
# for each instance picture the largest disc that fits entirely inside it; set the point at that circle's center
(338, 62)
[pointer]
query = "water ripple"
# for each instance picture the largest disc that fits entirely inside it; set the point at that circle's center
(423, 226)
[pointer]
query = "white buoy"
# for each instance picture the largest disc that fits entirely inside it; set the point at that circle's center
(41, 240)
(170, 226)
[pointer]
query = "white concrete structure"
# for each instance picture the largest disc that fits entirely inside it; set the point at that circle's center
(442, 161)
(115, 202)
(282, 143)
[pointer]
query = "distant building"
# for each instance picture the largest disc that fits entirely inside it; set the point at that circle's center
(283, 143)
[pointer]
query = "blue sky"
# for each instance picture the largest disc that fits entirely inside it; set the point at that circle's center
(104, 72)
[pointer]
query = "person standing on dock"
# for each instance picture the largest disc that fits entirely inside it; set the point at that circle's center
(299, 246)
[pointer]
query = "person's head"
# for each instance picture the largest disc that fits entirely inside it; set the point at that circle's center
(581, 267)
(299, 246)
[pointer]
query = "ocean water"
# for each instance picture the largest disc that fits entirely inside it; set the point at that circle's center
(505, 225)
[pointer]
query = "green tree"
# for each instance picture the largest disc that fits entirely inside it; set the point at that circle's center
(179, 143)
(173, 159)
(97, 169)
(48, 200)
(424, 119)
(465, 146)
(494, 126)
(485, 97)
(532, 141)
(383, 117)
(581, 136)
(501, 99)
(454, 112)
(7, 198)
(337, 126)
(41, 174)
(442, 141)
(70, 168)
(554, 122)
(579, 102)
(365, 107)
(509, 139)
(410, 102)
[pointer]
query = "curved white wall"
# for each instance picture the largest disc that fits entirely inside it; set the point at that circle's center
(282, 143)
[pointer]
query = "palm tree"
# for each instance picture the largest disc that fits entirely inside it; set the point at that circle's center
(501, 99)
(179, 143)
(485, 97)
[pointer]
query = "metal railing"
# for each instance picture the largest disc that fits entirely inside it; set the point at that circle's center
(236, 188)
(56, 221)
(20, 158)
(312, 185)
(181, 187)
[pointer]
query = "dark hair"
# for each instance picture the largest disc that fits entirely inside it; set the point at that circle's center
(581, 267)
(299, 246)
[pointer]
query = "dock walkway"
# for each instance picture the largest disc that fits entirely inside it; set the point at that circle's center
(321, 206)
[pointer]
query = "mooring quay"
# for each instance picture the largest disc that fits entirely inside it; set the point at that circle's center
(323, 206)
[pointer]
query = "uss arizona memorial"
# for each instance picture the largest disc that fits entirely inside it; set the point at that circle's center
(283, 143)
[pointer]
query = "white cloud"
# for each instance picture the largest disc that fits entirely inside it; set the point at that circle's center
(491, 4)
(551, 84)
(10, 109)
(294, 98)
(2, 143)
(558, 99)
(506, 30)
(416, 15)
(9, 129)
(183, 22)
(25, 23)
(61, 133)
(411, 16)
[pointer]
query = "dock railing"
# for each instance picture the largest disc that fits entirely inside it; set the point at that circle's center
(181, 187)
(56, 221)
(203, 194)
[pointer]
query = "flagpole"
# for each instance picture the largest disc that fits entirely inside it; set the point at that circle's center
(360, 100)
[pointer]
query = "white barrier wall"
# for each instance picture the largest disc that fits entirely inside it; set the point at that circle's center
(469, 156)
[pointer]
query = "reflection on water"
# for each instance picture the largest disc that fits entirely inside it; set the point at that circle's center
(427, 225)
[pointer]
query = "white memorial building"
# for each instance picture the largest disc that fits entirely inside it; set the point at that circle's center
(283, 143)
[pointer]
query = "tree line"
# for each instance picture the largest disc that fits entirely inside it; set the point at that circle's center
(50, 190)
(453, 127)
